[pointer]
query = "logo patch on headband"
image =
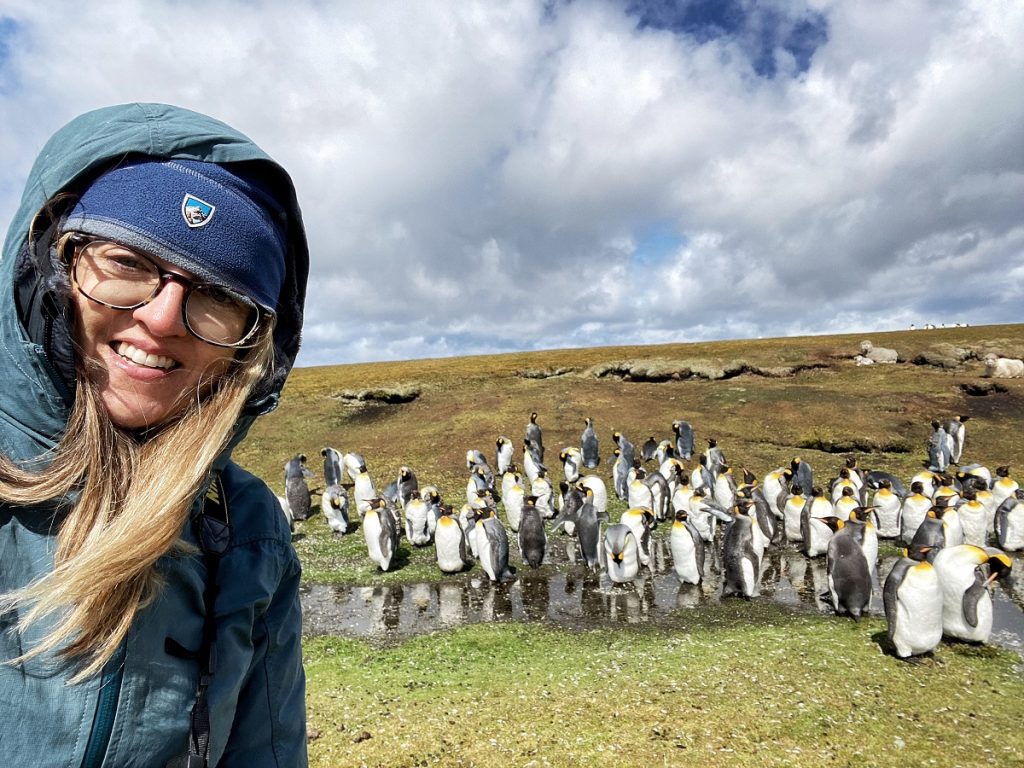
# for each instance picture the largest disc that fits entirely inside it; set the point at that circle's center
(196, 212)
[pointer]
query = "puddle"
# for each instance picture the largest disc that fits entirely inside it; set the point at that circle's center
(566, 593)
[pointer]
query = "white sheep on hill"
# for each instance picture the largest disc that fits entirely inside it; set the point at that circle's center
(878, 354)
(1003, 367)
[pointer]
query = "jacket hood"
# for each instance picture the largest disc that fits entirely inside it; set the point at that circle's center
(93, 142)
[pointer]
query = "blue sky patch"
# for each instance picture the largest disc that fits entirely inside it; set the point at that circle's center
(760, 29)
(657, 243)
(8, 29)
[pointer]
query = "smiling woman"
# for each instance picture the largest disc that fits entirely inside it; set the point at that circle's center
(149, 608)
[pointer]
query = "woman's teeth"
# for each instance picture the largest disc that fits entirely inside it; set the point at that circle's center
(137, 356)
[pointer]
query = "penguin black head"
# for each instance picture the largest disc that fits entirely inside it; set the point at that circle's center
(323, 451)
(749, 478)
(533, 417)
(851, 462)
(936, 424)
(712, 442)
(1003, 471)
(999, 564)
(302, 458)
(885, 483)
(832, 522)
(844, 473)
(797, 489)
(847, 491)
(682, 516)
(817, 492)
(917, 487)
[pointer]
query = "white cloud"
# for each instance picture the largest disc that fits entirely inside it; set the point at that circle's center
(478, 176)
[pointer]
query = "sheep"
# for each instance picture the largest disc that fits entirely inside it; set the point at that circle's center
(878, 354)
(1003, 367)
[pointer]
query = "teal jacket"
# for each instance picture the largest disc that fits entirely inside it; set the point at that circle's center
(137, 712)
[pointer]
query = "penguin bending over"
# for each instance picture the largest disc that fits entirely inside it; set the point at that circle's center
(648, 449)
(334, 505)
(912, 597)
(639, 520)
(621, 553)
(965, 575)
(354, 463)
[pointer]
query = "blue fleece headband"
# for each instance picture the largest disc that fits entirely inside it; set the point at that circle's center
(198, 216)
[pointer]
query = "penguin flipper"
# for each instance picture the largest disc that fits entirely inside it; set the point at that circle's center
(969, 604)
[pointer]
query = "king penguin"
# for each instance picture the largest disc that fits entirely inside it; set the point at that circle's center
(912, 598)
(639, 521)
(334, 505)
(687, 550)
(588, 532)
(535, 437)
(381, 533)
(684, 438)
(295, 488)
(572, 463)
(503, 454)
(450, 543)
(407, 483)
(621, 553)
(589, 446)
(742, 566)
(965, 574)
(1004, 486)
(1009, 523)
(938, 448)
(332, 466)
(792, 513)
(914, 511)
(956, 430)
(492, 549)
(887, 506)
(532, 539)
(849, 575)
(420, 523)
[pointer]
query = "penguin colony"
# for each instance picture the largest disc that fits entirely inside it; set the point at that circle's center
(948, 516)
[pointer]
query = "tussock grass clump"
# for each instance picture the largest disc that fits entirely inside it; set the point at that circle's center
(944, 355)
(545, 373)
(659, 370)
(388, 396)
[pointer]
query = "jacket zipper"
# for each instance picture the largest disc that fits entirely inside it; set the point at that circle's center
(106, 710)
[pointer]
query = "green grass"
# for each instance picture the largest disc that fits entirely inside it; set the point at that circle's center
(749, 686)
(731, 684)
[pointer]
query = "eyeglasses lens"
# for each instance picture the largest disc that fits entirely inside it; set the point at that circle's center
(123, 279)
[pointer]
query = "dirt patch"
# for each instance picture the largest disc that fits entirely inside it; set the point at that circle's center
(545, 373)
(982, 389)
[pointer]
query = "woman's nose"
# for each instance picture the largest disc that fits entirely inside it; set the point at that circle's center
(163, 315)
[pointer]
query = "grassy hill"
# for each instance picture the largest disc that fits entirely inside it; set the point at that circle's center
(735, 683)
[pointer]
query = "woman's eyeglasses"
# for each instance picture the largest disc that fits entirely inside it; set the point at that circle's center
(120, 278)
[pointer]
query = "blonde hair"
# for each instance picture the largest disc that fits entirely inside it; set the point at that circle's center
(127, 500)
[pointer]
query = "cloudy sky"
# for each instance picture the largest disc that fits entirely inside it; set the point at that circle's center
(507, 175)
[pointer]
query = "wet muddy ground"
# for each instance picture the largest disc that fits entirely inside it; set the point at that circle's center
(564, 592)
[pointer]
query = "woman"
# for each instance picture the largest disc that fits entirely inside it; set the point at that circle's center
(153, 280)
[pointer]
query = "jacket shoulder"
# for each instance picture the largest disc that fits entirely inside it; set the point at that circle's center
(253, 509)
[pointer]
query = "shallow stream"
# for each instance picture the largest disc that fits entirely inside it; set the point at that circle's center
(564, 592)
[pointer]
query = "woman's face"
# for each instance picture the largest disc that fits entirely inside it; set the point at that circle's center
(144, 363)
